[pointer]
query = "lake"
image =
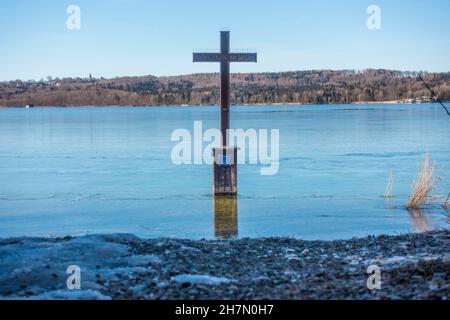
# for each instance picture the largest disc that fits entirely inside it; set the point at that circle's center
(74, 171)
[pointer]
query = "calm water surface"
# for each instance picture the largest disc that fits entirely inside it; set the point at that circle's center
(108, 170)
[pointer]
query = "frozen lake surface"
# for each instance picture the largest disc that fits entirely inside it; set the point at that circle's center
(75, 171)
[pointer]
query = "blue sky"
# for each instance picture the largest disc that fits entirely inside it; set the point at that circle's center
(139, 37)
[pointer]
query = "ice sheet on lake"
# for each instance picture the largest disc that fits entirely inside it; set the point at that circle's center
(37, 268)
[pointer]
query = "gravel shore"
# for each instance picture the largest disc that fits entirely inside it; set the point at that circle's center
(413, 266)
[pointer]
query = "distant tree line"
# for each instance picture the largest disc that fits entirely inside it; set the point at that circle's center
(302, 87)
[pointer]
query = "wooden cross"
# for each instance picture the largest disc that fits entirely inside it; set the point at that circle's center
(225, 57)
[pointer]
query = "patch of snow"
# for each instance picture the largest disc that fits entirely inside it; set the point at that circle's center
(403, 245)
(201, 279)
(292, 257)
(397, 259)
(143, 260)
(162, 285)
(306, 251)
(185, 248)
(129, 271)
(70, 295)
(354, 262)
(138, 289)
(261, 279)
(352, 257)
(406, 259)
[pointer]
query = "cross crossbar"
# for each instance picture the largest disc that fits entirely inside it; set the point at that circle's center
(231, 57)
(225, 58)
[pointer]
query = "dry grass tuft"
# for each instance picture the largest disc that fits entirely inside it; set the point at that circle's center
(446, 204)
(423, 185)
(389, 187)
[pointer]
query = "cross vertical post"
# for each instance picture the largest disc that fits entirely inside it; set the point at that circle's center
(225, 86)
(225, 157)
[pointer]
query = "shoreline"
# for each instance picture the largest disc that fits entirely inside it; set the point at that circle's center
(240, 105)
(121, 266)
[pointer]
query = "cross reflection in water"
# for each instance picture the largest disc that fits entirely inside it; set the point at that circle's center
(225, 217)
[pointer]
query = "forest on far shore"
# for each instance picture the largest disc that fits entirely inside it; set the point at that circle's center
(301, 87)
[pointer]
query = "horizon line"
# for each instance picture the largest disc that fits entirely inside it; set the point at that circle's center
(218, 72)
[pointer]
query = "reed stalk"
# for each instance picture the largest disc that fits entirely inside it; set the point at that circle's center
(389, 187)
(423, 185)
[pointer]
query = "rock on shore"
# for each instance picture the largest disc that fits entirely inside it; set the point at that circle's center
(413, 266)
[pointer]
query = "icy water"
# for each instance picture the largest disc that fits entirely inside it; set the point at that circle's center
(73, 171)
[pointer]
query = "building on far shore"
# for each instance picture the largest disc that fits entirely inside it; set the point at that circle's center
(419, 100)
